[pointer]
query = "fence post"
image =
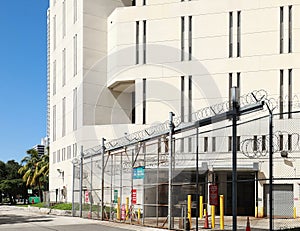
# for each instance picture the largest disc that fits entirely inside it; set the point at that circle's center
(102, 180)
(80, 182)
(170, 207)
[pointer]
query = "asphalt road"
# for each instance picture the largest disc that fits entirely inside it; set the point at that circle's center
(12, 218)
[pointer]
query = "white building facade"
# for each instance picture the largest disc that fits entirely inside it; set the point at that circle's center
(116, 67)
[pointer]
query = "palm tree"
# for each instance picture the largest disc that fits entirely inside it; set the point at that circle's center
(35, 170)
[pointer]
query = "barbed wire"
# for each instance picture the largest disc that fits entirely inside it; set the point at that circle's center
(259, 147)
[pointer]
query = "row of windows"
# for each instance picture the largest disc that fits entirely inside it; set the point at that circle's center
(64, 13)
(64, 119)
(64, 154)
(187, 33)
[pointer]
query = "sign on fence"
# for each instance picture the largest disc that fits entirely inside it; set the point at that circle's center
(139, 172)
(133, 199)
(115, 196)
(213, 195)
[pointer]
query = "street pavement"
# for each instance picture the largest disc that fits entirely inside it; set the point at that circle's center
(12, 218)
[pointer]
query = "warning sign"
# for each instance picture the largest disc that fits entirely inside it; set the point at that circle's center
(133, 192)
(213, 195)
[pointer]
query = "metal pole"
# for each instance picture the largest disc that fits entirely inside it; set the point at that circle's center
(111, 186)
(132, 166)
(73, 191)
(157, 182)
(121, 179)
(91, 188)
(80, 182)
(234, 93)
(271, 169)
(197, 176)
(102, 180)
(170, 207)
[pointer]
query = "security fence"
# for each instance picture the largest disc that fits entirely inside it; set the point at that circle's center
(180, 175)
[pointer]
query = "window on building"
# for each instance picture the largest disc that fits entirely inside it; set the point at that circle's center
(75, 54)
(230, 34)
(74, 150)
(144, 2)
(58, 156)
(133, 108)
(238, 34)
(213, 144)
(280, 142)
(290, 94)
(159, 145)
(69, 152)
(144, 101)
(263, 143)
(281, 30)
(182, 145)
(182, 38)
(64, 67)
(133, 2)
(205, 144)
(137, 38)
(75, 10)
(190, 98)
(54, 77)
(255, 143)
(290, 28)
(75, 109)
(190, 144)
(64, 19)
(290, 142)
(281, 95)
(229, 143)
(54, 32)
(190, 37)
(182, 99)
(144, 41)
(54, 123)
(63, 116)
(63, 154)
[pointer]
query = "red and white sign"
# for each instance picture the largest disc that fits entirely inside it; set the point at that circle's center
(86, 197)
(213, 195)
(133, 196)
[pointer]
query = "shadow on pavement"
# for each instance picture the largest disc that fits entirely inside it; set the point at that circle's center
(15, 219)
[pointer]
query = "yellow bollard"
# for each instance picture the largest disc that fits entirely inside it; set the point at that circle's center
(190, 209)
(139, 215)
(221, 212)
(127, 208)
(256, 212)
(295, 213)
(212, 216)
(118, 209)
(201, 207)
(262, 212)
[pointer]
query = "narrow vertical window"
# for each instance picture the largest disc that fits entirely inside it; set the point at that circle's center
(182, 99)
(74, 150)
(133, 2)
(263, 143)
(54, 77)
(205, 145)
(190, 144)
(144, 101)
(54, 32)
(54, 123)
(281, 29)
(230, 33)
(290, 142)
(182, 38)
(144, 2)
(75, 109)
(280, 142)
(159, 145)
(75, 10)
(229, 143)
(229, 88)
(290, 92)
(75, 54)
(254, 143)
(69, 152)
(133, 108)
(63, 154)
(190, 38)
(238, 80)
(64, 67)
(290, 29)
(58, 156)
(281, 95)
(213, 144)
(64, 19)
(137, 38)
(144, 41)
(63, 116)
(238, 34)
(190, 98)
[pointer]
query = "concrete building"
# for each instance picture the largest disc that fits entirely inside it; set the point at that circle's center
(118, 66)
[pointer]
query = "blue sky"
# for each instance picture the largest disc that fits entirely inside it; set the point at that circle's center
(23, 73)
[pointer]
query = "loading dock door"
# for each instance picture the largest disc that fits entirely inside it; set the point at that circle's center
(283, 200)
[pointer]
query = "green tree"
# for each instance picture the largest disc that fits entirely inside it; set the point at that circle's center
(35, 170)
